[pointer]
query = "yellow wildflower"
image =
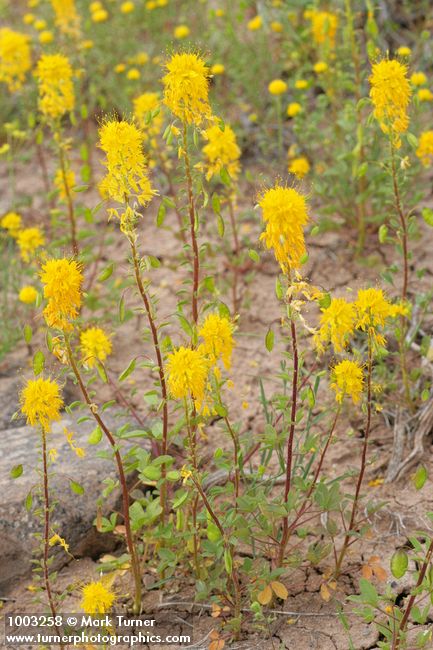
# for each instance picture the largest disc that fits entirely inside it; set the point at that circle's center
(71, 442)
(127, 7)
(221, 151)
(41, 402)
(373, 309)
(347, 379)
(56, 90)
(145, 106)
(277, 87)
(28, 295)
(67, 18)
(46, 37)
(404, 51)
(299, 167)
(418, 79)
(285, 215)
(276, 26)
(255, 23)
(186, 88)
(28, 241)
(324, 27)
(127, 171)
(15, 58)
(181, 31)
(62, 280)
(100, 16)
(425, 95)
(390, 93)
(320, 66)
(56, 539)
(294, 109)
(187, 371)
(217, 69)
(12, 223)
(96, 598)
(95, 345)
(217, 333)
(301, 84)
(337, 324)
(425, 148)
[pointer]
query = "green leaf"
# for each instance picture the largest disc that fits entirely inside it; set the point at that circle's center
(228, 561)
(28, 333)
(216, 204)
(427, 215)
(420, 477)
(368, 592)
(95, 437)
(101, 371)
(325, 301)
(383, 233)
(225, 176)
(269, 340)
(399, 563)
(17, 471)
(161, 215)
(413, 140)
(128, 370)
(254, 255)
(221, 225)
(106, 273)
(152, 473)
(28, 502)
(76, 487)
(180, 499)
(38, 362)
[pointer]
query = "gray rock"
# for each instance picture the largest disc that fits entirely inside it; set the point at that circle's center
(73, 515)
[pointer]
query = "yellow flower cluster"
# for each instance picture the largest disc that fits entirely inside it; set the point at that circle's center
(12, 223)
(56, 90)
(15, 58)
(126, 177)
(390, 93)
(95, 345)
(221, 151)
(369, 313)
(67, 18)
(299, 167)
(62, 280)
(284, 211)
(186, 88)
(41, 402)
(96, 598)
(323, 27)
(188, 369)
(425, 148)
(347, 379)
(29, 240)
(145, 109)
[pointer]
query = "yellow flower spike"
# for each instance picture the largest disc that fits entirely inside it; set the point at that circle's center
(56, 90)
(187, 371)
(324, 27)
(62, 280)
(221, 151)
(347, 379)
(186, 88)
(337, 324)
(390, 93)
(217, 334)
(284, 211)
(67, 18)
(122, 142)
(64, 187)
(95, 345)
(96, 598)
(15, 58)
(373, 310)
(41, 402)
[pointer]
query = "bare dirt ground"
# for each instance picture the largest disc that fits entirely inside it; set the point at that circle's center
(311, 623)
